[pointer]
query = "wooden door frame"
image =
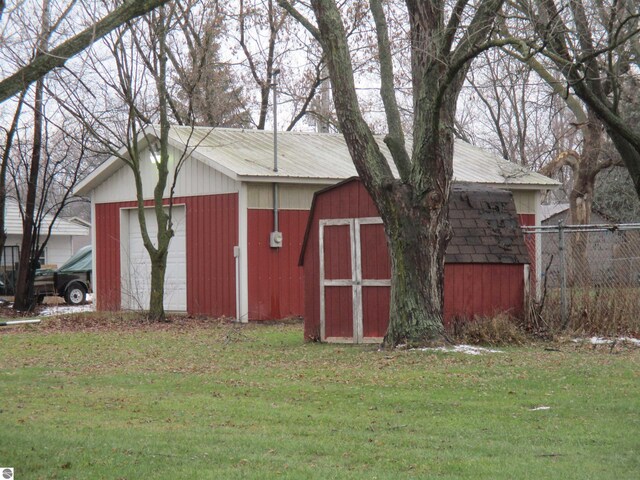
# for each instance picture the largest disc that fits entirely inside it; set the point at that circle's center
(356, 282)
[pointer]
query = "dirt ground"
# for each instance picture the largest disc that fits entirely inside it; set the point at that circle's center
(57, 317)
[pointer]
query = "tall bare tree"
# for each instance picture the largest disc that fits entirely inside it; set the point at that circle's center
(7, 146)
(57, 56)
(595, 47)
(148, 84)
(573, 139)
(271, 41)
(413, 207)
(26, 272)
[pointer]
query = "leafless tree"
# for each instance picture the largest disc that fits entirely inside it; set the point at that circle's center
(147, 83)
(270, 41)
(413, 207)
(594, 46)
(58, 55)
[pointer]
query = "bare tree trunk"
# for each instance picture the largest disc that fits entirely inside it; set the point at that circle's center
(587, 67)
(581, 200)
(414, 208)
(156, 299)
(26, 272)
(158, 256)
(417, 297)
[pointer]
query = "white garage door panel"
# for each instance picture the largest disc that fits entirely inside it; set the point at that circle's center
(136, 284)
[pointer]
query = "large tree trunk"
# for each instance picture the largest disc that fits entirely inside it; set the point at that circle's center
(417, 238)
(158, 256)
(414, 208)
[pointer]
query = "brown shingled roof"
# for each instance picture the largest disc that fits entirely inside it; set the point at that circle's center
(485, 227)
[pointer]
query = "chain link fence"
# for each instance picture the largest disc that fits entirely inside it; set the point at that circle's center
(585, 278)
(9, 259)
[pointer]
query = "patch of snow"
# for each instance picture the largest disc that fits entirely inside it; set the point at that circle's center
(542, 407)
(65, 310)
(468, 349)
(607, 341)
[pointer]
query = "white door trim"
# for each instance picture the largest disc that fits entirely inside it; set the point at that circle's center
(356, 281)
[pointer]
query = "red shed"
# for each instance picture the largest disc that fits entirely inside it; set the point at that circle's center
(347, 268)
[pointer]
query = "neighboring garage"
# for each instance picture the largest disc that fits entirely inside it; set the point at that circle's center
(227, 261)
(347, 266)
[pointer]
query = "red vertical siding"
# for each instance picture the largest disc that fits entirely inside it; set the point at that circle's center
(482, 290)
(337, 252)
(375, 261)
(376, 265)
(312, 285)
(107, 225)
(339, 312)
(212, 232)
(375, 311)
(276, 282)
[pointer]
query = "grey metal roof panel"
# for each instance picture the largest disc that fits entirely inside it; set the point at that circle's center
(249, 153)
(303, 156)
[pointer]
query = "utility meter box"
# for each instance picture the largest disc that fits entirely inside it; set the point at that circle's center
(275, 239)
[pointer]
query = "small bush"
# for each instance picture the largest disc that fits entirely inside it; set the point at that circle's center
(493, 331)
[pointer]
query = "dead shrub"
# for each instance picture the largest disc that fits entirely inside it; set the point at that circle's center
(593, 311)
(494, 331)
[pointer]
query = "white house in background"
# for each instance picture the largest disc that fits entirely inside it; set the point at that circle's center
(66, 237)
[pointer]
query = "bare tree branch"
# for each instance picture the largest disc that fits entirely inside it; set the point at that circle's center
(59, 55)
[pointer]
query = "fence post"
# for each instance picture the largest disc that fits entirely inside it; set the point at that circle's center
(563, 275)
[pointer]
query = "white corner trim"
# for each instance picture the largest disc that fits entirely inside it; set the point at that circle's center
(243, 240)
(94, 250)
(538, 240)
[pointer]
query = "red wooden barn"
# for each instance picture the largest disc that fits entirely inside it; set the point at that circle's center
(347, 268)
(225, 258)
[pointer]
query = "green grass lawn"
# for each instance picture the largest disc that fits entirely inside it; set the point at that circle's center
(217, 401)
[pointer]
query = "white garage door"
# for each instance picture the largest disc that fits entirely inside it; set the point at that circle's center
(136, 266)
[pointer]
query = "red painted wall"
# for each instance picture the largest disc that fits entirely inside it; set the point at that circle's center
(482, 289)
(107, 253)
(276, 282)
(212, 232)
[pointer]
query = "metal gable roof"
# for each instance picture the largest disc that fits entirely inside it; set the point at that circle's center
(13, 223)
(248, 155)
